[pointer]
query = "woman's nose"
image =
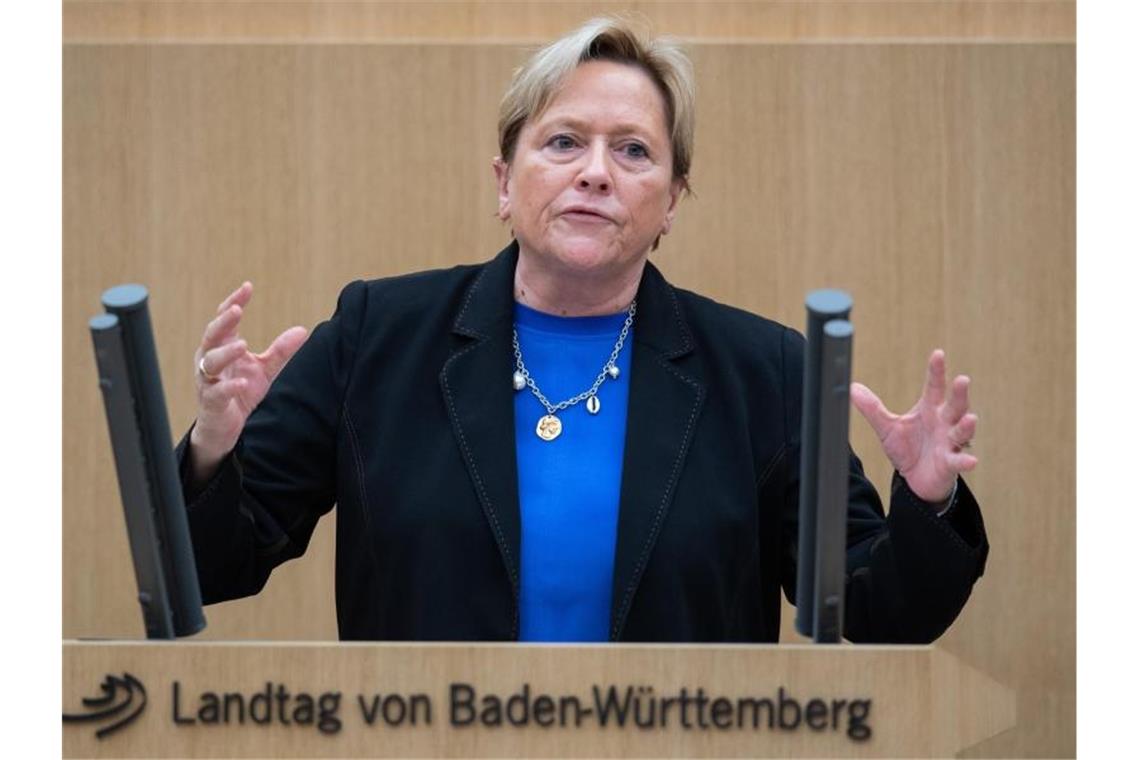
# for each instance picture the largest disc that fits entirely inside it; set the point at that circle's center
(595, 174)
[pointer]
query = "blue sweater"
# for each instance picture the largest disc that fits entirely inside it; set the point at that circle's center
(569, 488)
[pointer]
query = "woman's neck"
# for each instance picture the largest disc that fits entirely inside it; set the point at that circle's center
(575, 294)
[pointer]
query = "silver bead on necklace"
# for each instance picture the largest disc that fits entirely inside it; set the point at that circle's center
(549, 426)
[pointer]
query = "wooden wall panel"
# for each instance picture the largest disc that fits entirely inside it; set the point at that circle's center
(539, 21)
(934, 181)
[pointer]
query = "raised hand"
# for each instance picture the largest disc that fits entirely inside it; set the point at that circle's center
(231, 381)
(926, 444)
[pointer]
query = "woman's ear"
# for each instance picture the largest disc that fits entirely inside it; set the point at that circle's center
(502, 179)
(674, 196)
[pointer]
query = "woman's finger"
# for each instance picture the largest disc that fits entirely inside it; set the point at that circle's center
(962, 433)
(872, 408)
(215, 397)
(214, 361)
(961, 461)
(240, 297)
(221, 327)
(959, 402)
(282, 349)
(935, 390)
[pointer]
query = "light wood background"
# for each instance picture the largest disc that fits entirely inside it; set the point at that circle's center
(920, 155)
(541, 20)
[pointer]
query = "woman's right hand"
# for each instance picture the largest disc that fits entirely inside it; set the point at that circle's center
(231, 382)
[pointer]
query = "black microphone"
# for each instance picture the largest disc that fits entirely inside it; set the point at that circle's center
(823, 307)
(157, 528)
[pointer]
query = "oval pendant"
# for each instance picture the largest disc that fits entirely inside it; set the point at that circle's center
(548, 428)
(593, 405)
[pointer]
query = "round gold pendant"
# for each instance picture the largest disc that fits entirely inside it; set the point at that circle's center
(549, 428)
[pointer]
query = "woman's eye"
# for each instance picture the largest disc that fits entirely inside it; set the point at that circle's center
(636, 150)
(561, 142)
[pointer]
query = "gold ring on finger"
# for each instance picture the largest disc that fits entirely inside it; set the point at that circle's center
(206, 375)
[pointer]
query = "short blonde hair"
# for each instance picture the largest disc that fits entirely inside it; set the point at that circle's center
(607, 38)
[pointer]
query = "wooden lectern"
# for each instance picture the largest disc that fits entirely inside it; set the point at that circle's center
(281, 699)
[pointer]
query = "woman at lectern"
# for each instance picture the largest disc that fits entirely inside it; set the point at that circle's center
(558, 444)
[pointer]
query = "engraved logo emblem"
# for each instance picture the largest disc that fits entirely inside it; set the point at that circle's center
(122, 700)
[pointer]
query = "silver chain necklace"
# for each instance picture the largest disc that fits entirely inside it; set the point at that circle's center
(549, 426)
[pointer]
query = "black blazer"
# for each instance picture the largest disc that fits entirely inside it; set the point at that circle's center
(399, 410)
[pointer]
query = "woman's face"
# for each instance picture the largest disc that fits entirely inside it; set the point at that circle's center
(591, 183)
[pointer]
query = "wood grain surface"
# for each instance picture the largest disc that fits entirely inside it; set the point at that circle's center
(251, 20)
(920, 701)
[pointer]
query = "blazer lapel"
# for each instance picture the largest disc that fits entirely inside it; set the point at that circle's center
(664, 404)
(476, 387)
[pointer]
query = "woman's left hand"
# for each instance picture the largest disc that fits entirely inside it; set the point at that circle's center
(926, 445)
